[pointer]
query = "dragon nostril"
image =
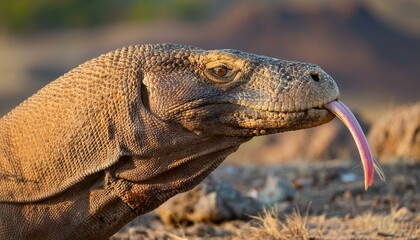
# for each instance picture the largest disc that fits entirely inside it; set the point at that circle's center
(315, 76)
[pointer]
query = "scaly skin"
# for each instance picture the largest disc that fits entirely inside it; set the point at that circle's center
(120, 134)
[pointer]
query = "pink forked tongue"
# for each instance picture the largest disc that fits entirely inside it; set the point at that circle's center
(347, 117)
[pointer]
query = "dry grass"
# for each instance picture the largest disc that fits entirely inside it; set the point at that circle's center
(269, 226)
(398, 224)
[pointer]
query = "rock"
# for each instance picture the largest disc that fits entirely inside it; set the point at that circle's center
(211, 201)
(275, 191)
(348, 177)
(403, 214)
(397, 135)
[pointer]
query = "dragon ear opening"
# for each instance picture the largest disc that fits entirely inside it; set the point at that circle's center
(144, 94)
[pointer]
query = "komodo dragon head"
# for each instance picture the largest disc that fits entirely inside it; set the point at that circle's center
(147, 122)
(232, 93)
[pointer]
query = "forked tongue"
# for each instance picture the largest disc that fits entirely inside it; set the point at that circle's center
(346, 116)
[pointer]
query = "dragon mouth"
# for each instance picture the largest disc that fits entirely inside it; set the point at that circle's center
(340, 110)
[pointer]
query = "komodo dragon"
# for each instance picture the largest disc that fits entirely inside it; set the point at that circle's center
(119, 135)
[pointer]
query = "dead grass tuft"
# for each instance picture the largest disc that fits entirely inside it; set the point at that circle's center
(294, 226)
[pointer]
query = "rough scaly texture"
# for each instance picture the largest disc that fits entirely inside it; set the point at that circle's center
(120, 134)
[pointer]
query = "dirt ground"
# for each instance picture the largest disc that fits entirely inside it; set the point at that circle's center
(329, 203)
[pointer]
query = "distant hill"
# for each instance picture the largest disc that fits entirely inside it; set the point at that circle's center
(364, 54)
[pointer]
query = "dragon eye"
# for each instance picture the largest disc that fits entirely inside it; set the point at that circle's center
(220, 71)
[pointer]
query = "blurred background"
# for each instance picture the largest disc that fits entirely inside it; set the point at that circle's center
(371, 48)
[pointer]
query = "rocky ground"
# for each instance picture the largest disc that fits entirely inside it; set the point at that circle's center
(307, 201)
